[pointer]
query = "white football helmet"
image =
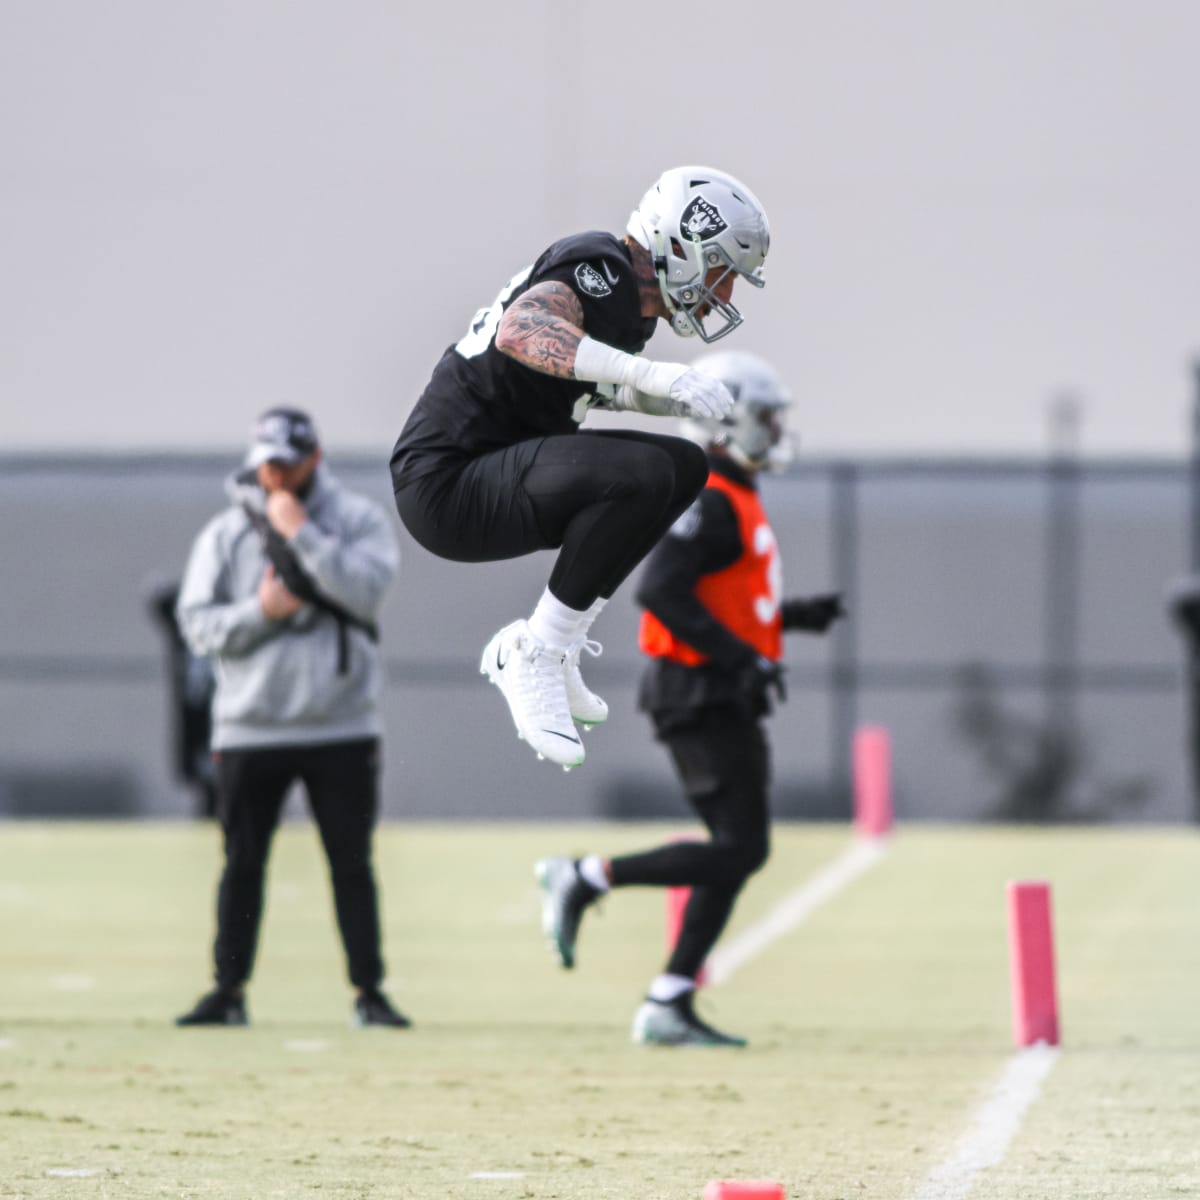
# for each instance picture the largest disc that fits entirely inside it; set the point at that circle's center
(753, 434)
(692, 220)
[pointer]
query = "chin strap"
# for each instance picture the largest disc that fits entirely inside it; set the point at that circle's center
(681, 323)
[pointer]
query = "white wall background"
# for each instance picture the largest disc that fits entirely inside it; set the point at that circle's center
(207, 207)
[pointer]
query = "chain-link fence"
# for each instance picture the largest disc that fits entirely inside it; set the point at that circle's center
(1008, 626)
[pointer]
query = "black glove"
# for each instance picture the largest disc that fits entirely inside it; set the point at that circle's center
(813, 613)
(1183, 603)
(758, 679)
(287, 566)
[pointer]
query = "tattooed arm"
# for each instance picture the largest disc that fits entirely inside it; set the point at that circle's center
(543, 329)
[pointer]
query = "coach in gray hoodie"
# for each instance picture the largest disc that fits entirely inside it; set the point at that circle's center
(282, 590)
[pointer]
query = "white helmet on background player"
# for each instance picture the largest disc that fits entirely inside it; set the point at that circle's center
(753, 433)
(692, 220)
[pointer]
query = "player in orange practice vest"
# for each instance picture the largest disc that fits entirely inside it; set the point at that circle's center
(713, 629)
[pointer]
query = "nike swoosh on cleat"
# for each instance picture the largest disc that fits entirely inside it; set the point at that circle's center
(565, 736)
(500, 661)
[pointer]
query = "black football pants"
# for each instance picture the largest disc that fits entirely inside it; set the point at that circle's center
(601, 498)
(341, 780)
(723, 762)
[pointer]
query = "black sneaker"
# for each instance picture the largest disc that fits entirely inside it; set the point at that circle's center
(565, 896)
(676, 1024)
(374, 1008)
(217, 1008)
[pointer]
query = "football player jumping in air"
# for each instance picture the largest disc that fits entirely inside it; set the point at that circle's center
(491, 463)
(712, 628)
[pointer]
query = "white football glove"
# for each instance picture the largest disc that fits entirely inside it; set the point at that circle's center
(661, 388)
(701, 396)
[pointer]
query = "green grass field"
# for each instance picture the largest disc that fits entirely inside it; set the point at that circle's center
(877, 1027)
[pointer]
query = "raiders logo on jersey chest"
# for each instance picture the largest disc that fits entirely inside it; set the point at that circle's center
(591, 281)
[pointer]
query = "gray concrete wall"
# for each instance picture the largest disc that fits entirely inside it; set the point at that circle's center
(213, 205)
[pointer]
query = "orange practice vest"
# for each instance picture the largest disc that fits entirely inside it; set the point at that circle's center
(744, 597)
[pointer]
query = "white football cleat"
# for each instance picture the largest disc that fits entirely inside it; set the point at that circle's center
(530, 677)
(586, 707)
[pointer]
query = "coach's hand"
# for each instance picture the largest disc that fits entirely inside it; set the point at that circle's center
(285, 513)
(274, 598)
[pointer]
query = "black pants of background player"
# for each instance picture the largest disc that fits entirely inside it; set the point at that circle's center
(342, 783)
(601, 498)
(723, 761)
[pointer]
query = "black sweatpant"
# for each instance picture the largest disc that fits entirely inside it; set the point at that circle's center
(602, 498)
(341, 780)
(723, 762)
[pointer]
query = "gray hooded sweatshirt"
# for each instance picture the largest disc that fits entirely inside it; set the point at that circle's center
(278, 682)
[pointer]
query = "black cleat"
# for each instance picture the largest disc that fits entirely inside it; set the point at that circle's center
(675, 1024)
(374, 1008)
(565, 895)
(217, 1008)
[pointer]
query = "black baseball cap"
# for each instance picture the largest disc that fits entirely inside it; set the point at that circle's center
(285, 435)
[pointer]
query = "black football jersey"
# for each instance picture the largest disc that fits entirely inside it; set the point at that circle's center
(480, 399)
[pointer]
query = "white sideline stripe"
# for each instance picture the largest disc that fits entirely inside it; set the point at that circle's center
(995, 1125)
(794, 908)
(15, 893)
(73, 983)
(498, 1175)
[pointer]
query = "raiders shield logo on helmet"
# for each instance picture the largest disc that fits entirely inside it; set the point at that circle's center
(701, 221)
(591, 281)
